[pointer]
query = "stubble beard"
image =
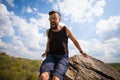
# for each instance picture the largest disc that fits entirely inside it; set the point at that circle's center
(55, 26)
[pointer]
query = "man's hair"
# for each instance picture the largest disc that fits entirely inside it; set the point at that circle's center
(52, 12)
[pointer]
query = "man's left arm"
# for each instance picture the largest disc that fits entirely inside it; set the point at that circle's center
(76, 43)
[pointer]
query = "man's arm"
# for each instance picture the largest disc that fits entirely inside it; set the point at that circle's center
(47, 45)
(71, 36)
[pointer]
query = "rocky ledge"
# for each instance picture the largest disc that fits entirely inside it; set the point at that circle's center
(81, 68)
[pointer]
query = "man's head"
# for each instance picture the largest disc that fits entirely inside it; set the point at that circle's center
(54, 18)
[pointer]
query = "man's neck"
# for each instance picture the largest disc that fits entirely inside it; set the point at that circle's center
(58, 29)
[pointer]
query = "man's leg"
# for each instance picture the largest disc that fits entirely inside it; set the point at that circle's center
(60, 68)
(46, 67)
(44, 76)
(55, 78)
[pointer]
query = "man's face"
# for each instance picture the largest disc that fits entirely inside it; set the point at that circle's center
(54, 20)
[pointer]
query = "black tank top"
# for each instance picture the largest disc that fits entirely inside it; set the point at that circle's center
(58, 42)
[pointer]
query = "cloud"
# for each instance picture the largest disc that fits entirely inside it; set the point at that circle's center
(10, 2)
(80, 10)
(5, 22)
(29, 10)
(42, 22)
(107, 51)
(24, 38)
(107, 47)
(50, 1)
(109, 28)
(109, 32)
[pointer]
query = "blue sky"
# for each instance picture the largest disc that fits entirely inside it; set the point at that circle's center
(95, 24)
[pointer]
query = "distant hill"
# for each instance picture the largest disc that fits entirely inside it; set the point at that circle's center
(12, 68)
(115, 65)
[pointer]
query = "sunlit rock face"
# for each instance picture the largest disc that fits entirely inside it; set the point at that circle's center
(81, 68)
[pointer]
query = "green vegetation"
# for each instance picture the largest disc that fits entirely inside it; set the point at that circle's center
(115, 65)
(12, 68)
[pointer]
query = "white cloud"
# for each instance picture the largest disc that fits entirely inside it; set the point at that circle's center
(29, 10)
(11, 2)
(2, 45)
(50, 1)
(5, 22)
(42, 22)
(28, 38)
(80, 10)
(98, 8)
(35, 9)
(109, 28)
(107, 51)
(25, 38)
(29, 33)
(109, 32)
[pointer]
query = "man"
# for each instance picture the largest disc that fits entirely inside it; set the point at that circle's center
(56, 62)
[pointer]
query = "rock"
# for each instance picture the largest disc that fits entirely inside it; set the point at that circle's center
(81, 68)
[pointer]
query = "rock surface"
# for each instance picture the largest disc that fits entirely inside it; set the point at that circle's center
(81, 68)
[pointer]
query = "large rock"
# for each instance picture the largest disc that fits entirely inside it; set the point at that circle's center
(81, 68)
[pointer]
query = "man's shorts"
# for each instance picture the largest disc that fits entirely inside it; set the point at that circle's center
(56, 64)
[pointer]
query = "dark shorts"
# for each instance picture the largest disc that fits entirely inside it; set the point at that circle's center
(56, 64)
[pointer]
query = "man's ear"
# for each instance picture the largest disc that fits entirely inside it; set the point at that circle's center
(59, 19)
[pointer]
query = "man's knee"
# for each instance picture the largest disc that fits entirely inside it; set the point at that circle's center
(44, 76)
(55, 78)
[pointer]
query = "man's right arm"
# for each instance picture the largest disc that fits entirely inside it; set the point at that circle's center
(47, 45)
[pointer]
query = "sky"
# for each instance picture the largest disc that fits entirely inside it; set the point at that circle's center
(94, 23)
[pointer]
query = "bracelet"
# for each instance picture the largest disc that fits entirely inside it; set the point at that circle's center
(81, 51)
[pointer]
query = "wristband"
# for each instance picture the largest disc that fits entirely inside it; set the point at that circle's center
(81, 51)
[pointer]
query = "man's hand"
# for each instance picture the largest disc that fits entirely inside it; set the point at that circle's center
(84, 54)
(44, 54)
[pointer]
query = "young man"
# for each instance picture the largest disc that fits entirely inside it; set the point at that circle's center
(56, 62)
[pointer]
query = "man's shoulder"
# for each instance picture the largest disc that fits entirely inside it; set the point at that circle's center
(48, 30)
(66, 27)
